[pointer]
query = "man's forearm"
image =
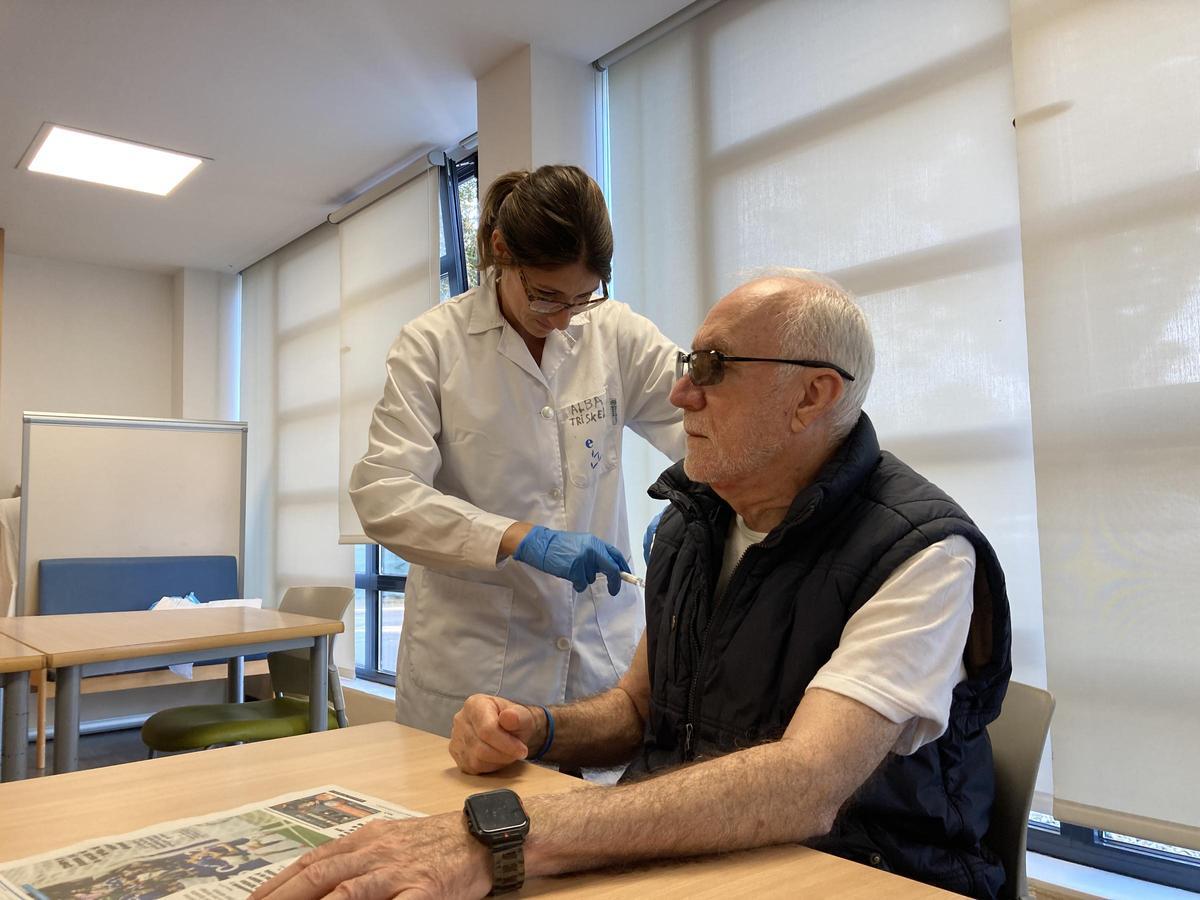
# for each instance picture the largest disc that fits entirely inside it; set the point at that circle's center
(491, 732)
(776, 793)
(604, 730)
(755, 797)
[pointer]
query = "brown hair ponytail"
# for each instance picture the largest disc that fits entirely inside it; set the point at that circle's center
(553, 216)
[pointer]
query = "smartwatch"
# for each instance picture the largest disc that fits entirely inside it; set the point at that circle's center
(498, 821)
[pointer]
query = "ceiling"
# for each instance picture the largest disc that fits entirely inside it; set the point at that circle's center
(298, 104)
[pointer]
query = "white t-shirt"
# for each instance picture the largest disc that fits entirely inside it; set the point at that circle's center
(901, 654)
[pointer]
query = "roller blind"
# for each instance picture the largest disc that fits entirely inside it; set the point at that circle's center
(1108, 96)
(1035, 295)
(389, 275)
(844, 138)
(290, 400)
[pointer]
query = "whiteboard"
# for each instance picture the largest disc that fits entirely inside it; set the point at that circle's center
(105, 486)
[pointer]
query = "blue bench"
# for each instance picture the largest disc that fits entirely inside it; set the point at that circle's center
(126, 583)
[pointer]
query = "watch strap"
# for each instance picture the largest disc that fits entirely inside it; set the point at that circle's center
(508, 867)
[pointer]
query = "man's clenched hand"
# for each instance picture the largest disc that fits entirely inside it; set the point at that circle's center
(489, 733)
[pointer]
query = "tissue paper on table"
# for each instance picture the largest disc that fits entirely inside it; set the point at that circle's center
(184, 670)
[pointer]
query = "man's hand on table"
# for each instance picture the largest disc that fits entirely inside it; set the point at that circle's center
(429, 857)
(489, 733)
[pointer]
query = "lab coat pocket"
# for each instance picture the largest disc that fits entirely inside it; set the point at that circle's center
(590, 426)
(457, 634)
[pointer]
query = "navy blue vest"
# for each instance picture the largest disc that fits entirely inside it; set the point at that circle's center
(727, 673)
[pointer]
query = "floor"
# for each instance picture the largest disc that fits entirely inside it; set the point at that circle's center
(96, 750)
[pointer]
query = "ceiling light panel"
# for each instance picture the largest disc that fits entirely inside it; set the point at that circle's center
(104, 160)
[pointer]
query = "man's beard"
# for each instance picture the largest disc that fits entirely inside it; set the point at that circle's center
(712, 465)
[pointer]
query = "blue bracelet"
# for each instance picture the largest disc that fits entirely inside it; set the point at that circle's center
(549, 736)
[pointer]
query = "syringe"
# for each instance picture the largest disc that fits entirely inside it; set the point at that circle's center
(633, 579)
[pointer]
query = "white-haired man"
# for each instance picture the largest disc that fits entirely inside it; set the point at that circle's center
(827, 638)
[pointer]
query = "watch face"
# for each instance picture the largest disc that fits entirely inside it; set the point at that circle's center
(497, 811)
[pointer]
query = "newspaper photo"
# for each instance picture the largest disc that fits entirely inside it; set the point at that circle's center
(222, 855)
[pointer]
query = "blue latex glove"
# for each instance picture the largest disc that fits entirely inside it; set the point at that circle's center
(574, 555)
(648, 537)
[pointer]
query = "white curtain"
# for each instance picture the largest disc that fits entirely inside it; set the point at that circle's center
(844, 137)
(389, 275)
(318, 317)
(290, 401)
(1034, 292)
(1108, 100)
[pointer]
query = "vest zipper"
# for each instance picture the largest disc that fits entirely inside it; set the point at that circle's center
(693, 701)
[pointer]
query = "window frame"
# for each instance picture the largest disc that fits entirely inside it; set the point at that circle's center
(373, 584)
(454, 261)
(1088, 847)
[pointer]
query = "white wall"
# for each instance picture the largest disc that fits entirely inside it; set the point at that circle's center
(564, 111)
(369, 705)
(536, 108)
(84, 338)
(229, 348)
(205, 334)
(81, 338)
(505, 118)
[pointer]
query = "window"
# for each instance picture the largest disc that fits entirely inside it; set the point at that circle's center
(380, 575)
(460, 219)
(1137, 858)
(379, 580)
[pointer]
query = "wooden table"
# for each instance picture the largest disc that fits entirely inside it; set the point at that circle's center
(407, 767)
(16, 662)
(103, 643)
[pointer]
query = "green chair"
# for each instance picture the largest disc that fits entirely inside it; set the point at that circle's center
(285, 714)
(1018, 736)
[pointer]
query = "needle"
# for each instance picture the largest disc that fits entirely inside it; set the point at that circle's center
(633, 579)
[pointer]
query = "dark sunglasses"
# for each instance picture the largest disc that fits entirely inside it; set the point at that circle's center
(707, 367)
(546, 307)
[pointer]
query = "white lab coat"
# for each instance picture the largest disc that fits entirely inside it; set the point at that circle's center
(471, 436)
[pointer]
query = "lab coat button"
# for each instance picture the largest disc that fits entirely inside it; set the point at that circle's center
(547, 412)
(555, 493)
(563, 644)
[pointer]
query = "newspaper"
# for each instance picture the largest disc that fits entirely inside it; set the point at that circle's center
(222, 855)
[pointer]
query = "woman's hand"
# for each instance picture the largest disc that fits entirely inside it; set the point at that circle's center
(574, 555)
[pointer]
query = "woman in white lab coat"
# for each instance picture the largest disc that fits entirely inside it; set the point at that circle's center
(494, 460)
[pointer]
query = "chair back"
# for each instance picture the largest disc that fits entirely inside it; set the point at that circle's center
(319, 601)
(1018, 737)
(289, 668)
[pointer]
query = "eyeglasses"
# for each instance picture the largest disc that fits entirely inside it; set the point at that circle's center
(707, 367)
(546, 307)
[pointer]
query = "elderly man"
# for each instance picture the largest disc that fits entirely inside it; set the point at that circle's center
(827, 638)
